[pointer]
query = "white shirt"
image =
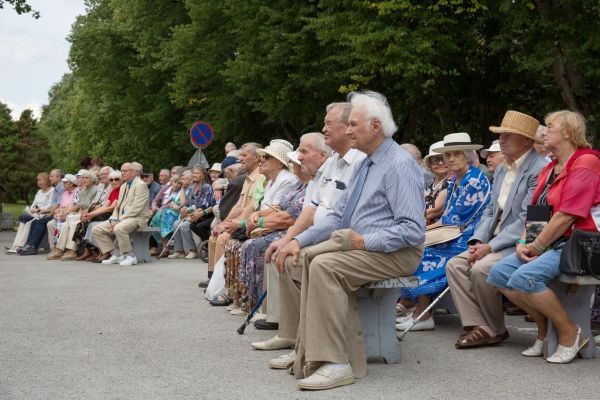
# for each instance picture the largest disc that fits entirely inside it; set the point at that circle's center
(276, 190)
(43, 200)
(509, 179)
(334, 179)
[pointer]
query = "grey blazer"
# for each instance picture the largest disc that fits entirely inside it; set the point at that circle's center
(515, 209)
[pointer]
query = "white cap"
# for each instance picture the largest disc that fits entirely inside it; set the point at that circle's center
(493, 148)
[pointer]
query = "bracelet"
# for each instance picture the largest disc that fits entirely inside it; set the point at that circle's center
(540, 242)
(243, 224)
(536, 245)
(260, 222)
(521, 241)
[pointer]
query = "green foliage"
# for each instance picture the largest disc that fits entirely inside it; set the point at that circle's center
(143, 71)
(21, 7)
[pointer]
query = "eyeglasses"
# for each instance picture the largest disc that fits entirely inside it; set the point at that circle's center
(436, 161)
(266, 157)
(114, 179)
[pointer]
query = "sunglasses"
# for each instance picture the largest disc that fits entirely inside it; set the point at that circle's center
(114, 179)
(266, 157)
(436, 160)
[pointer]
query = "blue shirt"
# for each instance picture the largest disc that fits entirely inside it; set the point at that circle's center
(390, 212)
(59, 189)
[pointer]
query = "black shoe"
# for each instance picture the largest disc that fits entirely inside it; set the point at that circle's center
(28, 251)
(203, 284)
(262, 324)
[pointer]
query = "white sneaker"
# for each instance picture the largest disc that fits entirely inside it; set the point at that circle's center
(113, 260)
(129, 260)
(275, 343)
(177, 254)
(237, 311)
(427, 325)
(283, 361)
(256, 316)
(536, 350)
(404, 318)
(232, 307)
(191, 255)
(327, 377)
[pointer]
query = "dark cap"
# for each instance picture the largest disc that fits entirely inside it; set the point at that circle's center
(227, 162)
(146, 173)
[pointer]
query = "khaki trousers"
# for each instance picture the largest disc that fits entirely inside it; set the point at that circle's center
(22, 234)
(272, 281)
(103, 236)
(478, 303)
(329, 328)
(50, 227)
(65, 239)
(216, 249)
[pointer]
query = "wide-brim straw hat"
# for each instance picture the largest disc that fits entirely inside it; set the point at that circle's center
(457, 142)
(432, 153)
(277, 148)
(215, 167)
(495, 147)
(519, 123)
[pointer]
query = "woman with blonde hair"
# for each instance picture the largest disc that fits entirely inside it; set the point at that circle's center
(41, 206)
(569, 187)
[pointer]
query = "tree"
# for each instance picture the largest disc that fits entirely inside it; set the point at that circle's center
(21, 7)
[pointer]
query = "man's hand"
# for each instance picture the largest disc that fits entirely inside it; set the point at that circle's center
(85, 217)
(111, 226)
(477, 252)
(274, 248)
(290, 249)
(356, 241)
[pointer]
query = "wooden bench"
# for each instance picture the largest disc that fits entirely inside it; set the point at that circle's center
(377, 310)
(575, 294)
(140, 240)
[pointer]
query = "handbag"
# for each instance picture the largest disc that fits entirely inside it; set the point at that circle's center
(447, 233)
(581, 254)
(25, 218)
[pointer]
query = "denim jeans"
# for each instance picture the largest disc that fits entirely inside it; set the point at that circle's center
(512, 273)
(37, 231)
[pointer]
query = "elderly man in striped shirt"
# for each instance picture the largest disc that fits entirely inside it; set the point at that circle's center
(376, 232)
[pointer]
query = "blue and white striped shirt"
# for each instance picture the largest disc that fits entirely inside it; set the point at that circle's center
(390, 212)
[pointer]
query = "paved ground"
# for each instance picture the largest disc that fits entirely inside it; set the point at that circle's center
(73, 330)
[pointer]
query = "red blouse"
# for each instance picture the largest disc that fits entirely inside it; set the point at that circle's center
(113, 195)
(576, 189)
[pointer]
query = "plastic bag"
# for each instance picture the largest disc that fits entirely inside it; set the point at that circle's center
(216, 286)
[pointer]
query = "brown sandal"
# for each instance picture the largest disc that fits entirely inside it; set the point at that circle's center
(479, 337)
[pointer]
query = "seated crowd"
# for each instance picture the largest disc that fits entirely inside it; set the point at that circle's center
(348, 207)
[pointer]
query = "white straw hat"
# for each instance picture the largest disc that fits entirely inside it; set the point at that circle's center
(456, 142)
(277, 148)
(215, 167)
(293, 157)
(436, 145)
(493, 148)
(519, 123)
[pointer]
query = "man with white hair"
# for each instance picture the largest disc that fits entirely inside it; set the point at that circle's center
(493, 157)
(376, 232)
(132, 211)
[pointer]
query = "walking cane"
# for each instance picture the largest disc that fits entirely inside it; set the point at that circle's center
(166, 246)
(242, 328)
(414, 322)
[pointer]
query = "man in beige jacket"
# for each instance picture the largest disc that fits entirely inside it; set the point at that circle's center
(132, 211)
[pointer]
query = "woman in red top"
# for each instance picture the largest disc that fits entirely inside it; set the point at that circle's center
(571, 185)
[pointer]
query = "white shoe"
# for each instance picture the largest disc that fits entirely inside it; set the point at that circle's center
(129, 260)
(237, 311)
(536, 350)
(565, 355)
(327, 377)
(177, 254)
(256, 316)
(597, 340)
(283, 361)
(275, 343)
(113, 260)
(191, 255)
(232, 307)
(404, 318)
(427, 325)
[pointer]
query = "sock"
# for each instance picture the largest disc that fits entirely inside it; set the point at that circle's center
(338, 366)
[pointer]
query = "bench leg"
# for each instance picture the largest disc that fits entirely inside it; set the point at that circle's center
(377, 310)
(577, 306)
(140, 241)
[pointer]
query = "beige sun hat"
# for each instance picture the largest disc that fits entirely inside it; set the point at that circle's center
(215, 167)
(277, 148)
(293, 157)
(495, 147)
(456, 142)
(432, 153)
(519, 123)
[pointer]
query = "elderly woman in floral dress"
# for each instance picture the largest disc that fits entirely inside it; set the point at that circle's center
(468, 195)
(251, 268)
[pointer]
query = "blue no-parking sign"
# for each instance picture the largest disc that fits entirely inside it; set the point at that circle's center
(201, 134)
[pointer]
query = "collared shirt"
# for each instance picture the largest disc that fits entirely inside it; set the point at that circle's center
(68, 198)
(333, 181)
(390, 212)
(85, 196)
(511, 174)
(247, 195)
(276, 190)
(101, 193)
(202, 198)
(59, 189)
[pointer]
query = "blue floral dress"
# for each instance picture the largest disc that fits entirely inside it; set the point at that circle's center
(252, 263)
(166, 217)
(461, 203)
